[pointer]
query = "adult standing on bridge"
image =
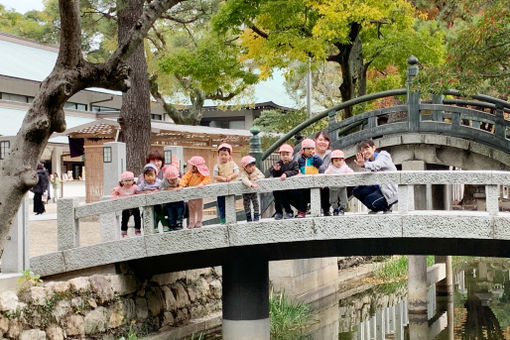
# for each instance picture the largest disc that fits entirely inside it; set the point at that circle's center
(375, 197)
(323, 150)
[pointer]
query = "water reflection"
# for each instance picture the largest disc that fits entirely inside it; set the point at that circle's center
(479, 309)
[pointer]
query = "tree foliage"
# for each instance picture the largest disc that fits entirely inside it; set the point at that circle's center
(353, 34)
(478, 57)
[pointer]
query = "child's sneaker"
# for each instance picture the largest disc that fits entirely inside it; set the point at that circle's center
(138, 232)
(341, 211)
(166, 229)
(278, 216)
(123, 234)
(156, 231)
(336, 212)
(289, 215)
(222, 221)
(301, 214)
(179, 225)
(248, 217)
(256, 217)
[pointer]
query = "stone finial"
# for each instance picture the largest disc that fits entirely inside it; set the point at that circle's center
(255, 130)
(412, 60)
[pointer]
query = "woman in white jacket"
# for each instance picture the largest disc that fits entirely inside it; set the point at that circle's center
(375, 197)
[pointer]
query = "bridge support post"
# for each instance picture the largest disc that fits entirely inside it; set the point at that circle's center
(417, 284)
(445, 287)
(245, 298)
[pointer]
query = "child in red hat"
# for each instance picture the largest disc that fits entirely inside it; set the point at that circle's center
(174, 210)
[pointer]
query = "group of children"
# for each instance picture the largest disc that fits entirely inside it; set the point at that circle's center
(308, 163)
(171, 215)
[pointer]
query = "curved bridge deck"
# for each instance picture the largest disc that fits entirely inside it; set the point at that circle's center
(405, 231)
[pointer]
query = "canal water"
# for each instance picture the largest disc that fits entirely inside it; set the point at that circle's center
(479, 309)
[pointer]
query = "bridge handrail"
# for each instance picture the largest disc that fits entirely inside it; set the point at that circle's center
(268, 185)
(481, 97)
(68, 213)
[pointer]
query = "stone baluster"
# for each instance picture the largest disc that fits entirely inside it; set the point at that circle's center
(437, 115)
(492, 198)
(315, 202)
(405, 198)
(230, 209)
(109, 224)
(148, 220)
(68, 231)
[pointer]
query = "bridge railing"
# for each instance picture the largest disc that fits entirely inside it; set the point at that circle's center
(69, 213)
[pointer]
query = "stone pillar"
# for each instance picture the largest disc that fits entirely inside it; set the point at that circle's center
(445, 287)
(417, 284)
(413, 97)
(306, 280)
(245, 298)
(418, 327)
(256, 147)
(114, 163)
(15, 257)
(56, 161)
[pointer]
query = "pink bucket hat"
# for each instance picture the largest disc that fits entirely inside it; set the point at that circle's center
(199, 162)
(247, 160)
(337, 154)
(171, 172)
(286, 148)
(127, 176)
(225, 145)
(307, 143)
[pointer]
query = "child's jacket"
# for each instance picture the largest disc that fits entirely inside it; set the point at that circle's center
(146, 186)
(290, 169)
(247, 178)
(333, 170)
(166, 184)
(191, 179)
(309, 166)
(122, 191)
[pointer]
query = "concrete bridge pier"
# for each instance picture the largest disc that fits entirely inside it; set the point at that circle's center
(245, 297)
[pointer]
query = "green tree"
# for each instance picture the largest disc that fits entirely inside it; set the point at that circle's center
(478, 58)
(192, 62)
(353, 34)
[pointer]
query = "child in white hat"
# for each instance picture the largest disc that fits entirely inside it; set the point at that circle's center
(250, 174)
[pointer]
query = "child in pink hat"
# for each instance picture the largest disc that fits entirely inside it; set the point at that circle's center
(249, 175)
(126, 188)
(174, 210)
(338, 195)
(285, 167)
(197, 175)
(225, 170)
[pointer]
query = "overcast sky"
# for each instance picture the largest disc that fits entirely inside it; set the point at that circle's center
(269, 90)
(23, 6)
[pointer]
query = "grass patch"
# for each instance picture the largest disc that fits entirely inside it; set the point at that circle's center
(392, 270)
(288, 318)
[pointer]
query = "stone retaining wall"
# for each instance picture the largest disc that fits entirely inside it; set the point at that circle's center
(106, 306)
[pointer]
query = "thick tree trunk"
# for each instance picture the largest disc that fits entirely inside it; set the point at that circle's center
(135, 115)
(350, 58)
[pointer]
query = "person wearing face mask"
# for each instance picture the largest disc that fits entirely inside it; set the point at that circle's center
(375, 197)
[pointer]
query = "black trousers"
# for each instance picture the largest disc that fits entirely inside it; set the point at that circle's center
(38, 204)
(125, 218)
